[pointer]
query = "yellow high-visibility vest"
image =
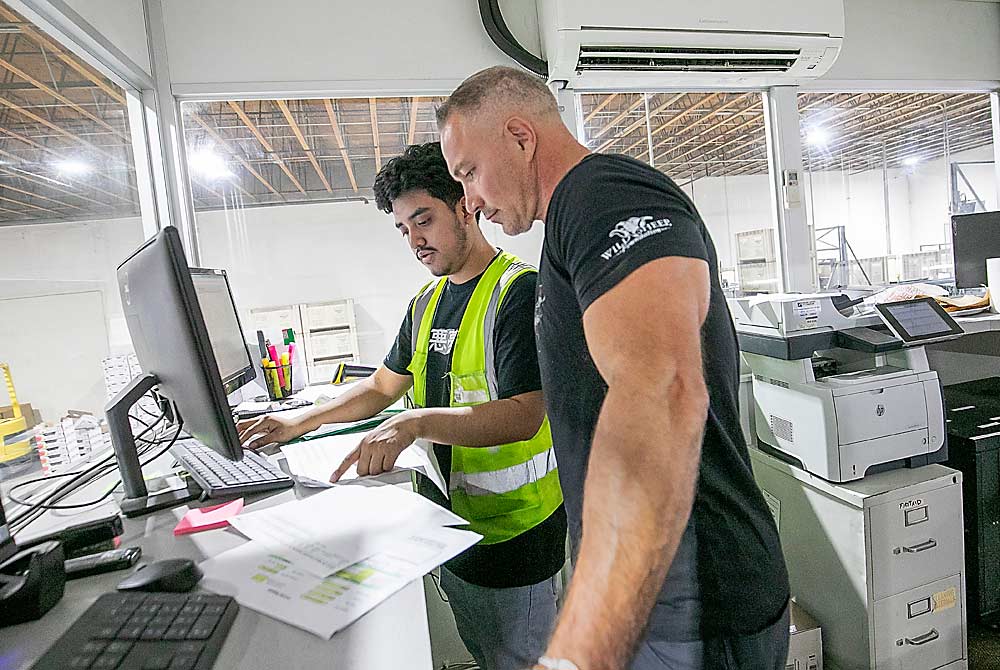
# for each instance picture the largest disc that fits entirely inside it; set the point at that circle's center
(510, 488)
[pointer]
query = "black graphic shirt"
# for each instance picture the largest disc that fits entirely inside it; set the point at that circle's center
(608, 217)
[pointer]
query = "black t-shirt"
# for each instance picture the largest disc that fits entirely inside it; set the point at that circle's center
(538, 553)
(609, 216)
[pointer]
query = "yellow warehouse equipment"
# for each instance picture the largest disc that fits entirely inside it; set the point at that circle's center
(14, 425)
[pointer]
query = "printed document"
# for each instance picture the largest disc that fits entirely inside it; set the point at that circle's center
(276, 583)
(338, 527)
(314, 461)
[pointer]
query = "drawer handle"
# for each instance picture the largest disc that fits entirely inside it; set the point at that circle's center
(929, 636)
(923, 546)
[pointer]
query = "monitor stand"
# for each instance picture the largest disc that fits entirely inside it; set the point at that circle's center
(137, 500)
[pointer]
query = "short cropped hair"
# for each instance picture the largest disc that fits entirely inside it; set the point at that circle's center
(499, 84)
(421, 167)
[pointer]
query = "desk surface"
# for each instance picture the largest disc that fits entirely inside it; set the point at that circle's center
(393, 635)
(979, 323)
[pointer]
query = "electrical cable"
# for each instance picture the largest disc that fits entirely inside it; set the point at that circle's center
(93, 468)
(135, 418)
(437, 585)
(80, 479)
(113, 487)
(496, 28)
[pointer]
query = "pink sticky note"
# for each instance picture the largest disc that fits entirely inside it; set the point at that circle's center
(208, 518)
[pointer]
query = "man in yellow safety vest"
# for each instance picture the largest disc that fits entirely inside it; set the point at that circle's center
(465, 354)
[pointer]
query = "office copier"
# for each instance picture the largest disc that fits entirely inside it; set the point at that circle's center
(842, 392)
(844, 396)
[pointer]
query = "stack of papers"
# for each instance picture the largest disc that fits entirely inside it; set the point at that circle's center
(321, 563)
(314, 461)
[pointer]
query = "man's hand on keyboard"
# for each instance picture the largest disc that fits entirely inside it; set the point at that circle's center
(268, 429)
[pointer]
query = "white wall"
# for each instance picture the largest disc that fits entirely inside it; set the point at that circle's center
(368, 45)
(61, 311)
(120, 22)
(919, 40)
(439, 42)
(326, 251)
(731, 205)
(332, 250)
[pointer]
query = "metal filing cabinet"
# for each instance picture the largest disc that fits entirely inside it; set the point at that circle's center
(879, 562)
(973, 420)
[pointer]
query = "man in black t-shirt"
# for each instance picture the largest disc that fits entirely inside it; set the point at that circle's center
(466, 352)
(677, 559)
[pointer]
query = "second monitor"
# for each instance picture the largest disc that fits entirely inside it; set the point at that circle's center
(187, 336)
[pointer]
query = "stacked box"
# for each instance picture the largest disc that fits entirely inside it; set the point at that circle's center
(73, 439)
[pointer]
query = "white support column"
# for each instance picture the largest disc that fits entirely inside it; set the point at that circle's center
(166, 130)
(784, 155)
(569, 109)
(144, 166)
(995, 112)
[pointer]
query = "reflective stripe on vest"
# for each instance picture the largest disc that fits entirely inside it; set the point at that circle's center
(507, 479)
(507, 489)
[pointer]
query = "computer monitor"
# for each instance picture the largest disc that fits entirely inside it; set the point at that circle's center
(974, 238)
(224, 330)
(190, 348)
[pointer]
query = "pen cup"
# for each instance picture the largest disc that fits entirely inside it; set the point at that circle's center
(279, 380)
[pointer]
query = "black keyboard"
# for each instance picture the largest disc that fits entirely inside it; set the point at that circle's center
(145, 631)
(220, 477)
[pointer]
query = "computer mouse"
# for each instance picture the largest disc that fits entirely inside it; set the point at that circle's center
(176, 575)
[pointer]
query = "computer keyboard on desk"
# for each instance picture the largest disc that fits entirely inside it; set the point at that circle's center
(220, 477)
(145, 631)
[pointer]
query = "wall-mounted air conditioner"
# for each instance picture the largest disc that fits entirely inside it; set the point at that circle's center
(641, 44)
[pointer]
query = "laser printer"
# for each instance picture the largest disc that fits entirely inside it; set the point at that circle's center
(842, 387)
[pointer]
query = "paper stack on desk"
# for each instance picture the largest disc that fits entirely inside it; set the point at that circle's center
(321, 563)
(313, 462)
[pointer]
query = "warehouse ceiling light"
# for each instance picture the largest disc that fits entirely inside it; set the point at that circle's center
(818, 137)
(208, 164)
(73, 167)
(910, 161)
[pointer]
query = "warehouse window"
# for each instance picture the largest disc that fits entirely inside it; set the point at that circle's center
(283, 198)
(713, 146)
(883, 174)
(69, 214)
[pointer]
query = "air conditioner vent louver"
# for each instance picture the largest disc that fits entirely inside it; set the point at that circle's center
(685, 59)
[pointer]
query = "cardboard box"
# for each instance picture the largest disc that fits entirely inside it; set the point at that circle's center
(805, 646)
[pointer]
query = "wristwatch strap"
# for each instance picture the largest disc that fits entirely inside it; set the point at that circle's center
(550, 663)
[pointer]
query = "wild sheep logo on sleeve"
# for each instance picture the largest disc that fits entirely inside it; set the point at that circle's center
(632, 231)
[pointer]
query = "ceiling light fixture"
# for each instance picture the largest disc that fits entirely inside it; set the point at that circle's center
(817, 137)
(208, 164)
(910, 161)
(73, 167)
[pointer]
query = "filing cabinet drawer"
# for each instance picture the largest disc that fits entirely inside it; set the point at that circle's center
(328, 315)
(915, 541)
(920, 629)
(326, 345)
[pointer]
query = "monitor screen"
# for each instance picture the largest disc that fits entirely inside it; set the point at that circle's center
(223, 324)
(172, 342)
(974, 238)
(916, 320)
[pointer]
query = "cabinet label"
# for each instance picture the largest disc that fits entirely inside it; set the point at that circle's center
(946, 599)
